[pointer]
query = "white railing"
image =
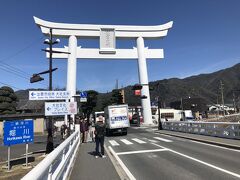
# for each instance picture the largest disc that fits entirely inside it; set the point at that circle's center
(57, 164)
(218, 129)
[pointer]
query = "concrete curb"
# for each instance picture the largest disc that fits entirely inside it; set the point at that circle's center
(122, 174)
(232, 146)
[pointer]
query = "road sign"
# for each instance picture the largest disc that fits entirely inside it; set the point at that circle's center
(60, 108)
(17, 132)
(48, 95)
(83, 96)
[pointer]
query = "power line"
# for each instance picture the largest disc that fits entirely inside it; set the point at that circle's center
(15, 54)
(17, 74)
(16, 71)
(10, 85)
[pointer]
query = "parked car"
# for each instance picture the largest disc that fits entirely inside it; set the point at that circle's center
(136, 120)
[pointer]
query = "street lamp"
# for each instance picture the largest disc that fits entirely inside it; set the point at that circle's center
(50, 43)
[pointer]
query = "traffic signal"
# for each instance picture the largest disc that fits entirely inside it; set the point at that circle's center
(143, 97)
(36, 78)
(137, 87)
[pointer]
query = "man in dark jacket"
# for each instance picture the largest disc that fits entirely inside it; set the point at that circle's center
(99, 136)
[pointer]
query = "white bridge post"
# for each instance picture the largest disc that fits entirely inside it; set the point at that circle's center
(72, 69)
(143, 78)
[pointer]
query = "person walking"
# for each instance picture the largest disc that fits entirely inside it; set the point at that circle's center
(99, 136)
(86, 126)
(82, 129)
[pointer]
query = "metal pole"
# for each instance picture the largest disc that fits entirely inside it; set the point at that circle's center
(221, 88)
(217, 109)
(27, 155)
(234, 103)
(159, 116)
(49, 147)
(9, 151)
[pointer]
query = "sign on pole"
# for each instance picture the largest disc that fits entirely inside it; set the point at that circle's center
(83, 96)
(60, 108)
(48, 95)
(17, 132)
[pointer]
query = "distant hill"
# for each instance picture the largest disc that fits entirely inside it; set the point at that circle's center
(205, 86)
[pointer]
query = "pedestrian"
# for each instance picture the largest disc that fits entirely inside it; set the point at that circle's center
(99, 136)
(86, 126)
(92, 129)
(62, 131)
(82, 130)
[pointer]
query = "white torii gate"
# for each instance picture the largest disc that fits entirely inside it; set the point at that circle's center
(108, 35)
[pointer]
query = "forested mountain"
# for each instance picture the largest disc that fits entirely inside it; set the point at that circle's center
(206, 86)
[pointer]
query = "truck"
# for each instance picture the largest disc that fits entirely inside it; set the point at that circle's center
(116, 119)
(173, 115)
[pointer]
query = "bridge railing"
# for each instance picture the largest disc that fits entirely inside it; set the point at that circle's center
(217, 129)
(57, 164)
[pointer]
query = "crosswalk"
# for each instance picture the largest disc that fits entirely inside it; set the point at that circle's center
(138, 141)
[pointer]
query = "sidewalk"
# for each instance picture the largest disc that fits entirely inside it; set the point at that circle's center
(87, 167)
(230, 143)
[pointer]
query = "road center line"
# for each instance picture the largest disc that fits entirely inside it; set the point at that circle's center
(141, 151)
(202, 162)
(129, 174)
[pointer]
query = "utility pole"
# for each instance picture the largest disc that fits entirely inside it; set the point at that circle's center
(50, 42)
(217, 109)
(234, 103)
(116, 87)
(183, 113)
(221, 88)
(50, 146)
(159, 114)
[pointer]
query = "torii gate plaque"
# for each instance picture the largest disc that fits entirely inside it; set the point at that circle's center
(108, 35)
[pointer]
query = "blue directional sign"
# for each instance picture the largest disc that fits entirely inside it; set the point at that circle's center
(83, 94)
(18, 132)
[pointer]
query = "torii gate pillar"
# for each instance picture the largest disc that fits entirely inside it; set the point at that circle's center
(143, 80)
(72, 66)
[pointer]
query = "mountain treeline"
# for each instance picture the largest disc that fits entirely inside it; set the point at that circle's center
(206, 86)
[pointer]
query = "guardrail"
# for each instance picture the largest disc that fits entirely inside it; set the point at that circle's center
(218, 129)
(57, 164)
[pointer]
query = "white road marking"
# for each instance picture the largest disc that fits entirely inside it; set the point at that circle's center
(202, 162)
(141, 151)
(113, 143)
(215, 146)
(126, 141)
(162, 139)
(139, 141)
(151, 140)
(177, 138)
(129, 174)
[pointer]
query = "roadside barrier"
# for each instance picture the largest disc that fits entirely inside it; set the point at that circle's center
(217, 129)
(58, 163)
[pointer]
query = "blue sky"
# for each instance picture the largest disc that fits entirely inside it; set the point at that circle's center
(205, 38)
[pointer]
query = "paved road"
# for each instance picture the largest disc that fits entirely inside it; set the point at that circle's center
(148, 155)
(20, 149)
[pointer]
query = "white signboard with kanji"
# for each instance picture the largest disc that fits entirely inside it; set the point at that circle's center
(60, 108)
(48, 95)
